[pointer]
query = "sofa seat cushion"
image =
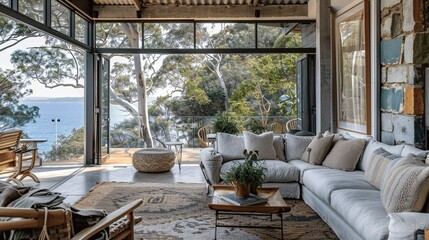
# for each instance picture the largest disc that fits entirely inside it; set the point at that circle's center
(322, 182)
(277, 171)
(304, 166)
(363, 210)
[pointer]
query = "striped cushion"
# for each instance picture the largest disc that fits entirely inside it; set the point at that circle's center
(405, 186)
(379, 160)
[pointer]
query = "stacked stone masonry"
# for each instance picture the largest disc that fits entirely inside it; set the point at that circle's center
(404, 55)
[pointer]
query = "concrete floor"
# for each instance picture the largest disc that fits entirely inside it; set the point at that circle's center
(74, 181)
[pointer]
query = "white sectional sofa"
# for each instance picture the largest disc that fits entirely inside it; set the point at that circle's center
(345, 200)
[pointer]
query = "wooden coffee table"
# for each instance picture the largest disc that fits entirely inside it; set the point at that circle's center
(275, 205)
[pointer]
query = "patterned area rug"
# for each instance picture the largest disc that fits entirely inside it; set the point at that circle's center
(180, 211)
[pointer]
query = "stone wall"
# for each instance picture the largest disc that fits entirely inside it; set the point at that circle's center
(404, 54)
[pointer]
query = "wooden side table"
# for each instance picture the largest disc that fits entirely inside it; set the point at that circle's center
(32, 143)
(274, 205)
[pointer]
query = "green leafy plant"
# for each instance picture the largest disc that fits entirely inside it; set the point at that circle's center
(227, 122)
(251, 171)
(254, 125)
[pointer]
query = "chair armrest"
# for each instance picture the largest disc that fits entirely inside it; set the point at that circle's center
(108, 220)
(405, 224)
(212, 162)
(28, 218)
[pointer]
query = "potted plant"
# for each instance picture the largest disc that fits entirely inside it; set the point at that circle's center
(246, 176)
(227, 122)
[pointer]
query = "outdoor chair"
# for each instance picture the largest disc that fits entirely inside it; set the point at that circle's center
(58, 222)
(292, 125)
(12, 157)
(275, 127)
(202, 136)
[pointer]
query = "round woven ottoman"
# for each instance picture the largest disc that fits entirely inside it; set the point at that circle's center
(153, 160)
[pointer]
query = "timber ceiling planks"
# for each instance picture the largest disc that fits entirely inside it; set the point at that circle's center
(199, 2)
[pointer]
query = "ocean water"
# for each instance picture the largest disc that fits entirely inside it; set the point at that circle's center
(58, 117)
(55, 118)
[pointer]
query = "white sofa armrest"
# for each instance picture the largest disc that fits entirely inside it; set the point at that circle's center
(403, 225)
(212, 163)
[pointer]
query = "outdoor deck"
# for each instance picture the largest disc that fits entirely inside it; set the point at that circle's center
(124, 156)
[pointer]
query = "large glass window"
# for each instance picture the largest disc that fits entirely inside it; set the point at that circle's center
(42, 91)
(280, 35)
(118, 35)
(225, 35)
(5, 2)
(60, 18)
(168, 35)
(33, 9)
(352, 64)
(81, 29)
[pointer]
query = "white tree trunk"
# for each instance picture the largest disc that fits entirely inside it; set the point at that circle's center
(143, 116)
(222, 84)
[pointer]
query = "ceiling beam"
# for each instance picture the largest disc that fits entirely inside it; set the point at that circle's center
(197, 12)
(137, 4)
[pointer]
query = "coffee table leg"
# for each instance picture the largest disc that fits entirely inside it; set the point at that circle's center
(217, 214)
(281, 222)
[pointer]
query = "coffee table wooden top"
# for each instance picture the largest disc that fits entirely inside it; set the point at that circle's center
(275, 204)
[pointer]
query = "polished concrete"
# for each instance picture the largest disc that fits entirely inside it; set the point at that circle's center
(74, 181)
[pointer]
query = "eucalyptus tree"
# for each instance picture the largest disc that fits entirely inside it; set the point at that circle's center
(12, 86)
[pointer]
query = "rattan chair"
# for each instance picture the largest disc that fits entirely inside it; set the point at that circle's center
(275, 127)
(202, 136)
(12, 157)
(292, 125)
(58, 222)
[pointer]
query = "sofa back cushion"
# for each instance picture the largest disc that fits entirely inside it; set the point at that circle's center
(231, 147)
(373, 145)
(317, 149)
(406, 185)
(262, 143)
(296, 145)
(379, 160)
(345, 154)
(279, 146)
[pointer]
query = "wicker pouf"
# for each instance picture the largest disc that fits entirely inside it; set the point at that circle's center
(153, 160)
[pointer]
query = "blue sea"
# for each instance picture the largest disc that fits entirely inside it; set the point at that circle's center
(61, 117)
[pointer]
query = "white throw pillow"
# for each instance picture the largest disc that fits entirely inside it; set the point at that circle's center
(263, 143)
(418, 152)
(231, 147)
(296, 145)
(402, 226)
(373, 145)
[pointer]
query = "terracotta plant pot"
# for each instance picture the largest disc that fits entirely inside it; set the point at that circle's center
(242, 191)
(253, 188)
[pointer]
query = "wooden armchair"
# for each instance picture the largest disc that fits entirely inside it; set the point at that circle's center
(58, 222)
(275, 126)
(292, 125)
(202, 136)
(12, 157)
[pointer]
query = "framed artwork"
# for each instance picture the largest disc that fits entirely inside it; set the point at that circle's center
(352, 85)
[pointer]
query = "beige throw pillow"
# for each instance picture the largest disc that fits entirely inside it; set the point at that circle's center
(317, 149)
(345, 154)
(279, 146)
(263, 143)
(406, 185)
(379, 160)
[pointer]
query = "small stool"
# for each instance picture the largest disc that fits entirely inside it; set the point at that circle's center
(153, 160)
